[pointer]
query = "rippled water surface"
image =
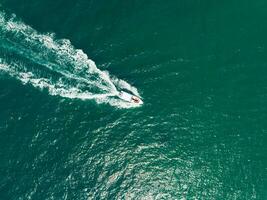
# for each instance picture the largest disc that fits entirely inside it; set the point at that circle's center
(200, 68)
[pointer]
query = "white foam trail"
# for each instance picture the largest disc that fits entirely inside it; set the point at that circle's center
(121, 84)
(55, 65)
(124, 85)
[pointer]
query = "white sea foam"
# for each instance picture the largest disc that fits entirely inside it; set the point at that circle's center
(55, 65)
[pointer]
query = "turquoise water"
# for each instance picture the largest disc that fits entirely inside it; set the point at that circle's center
(200, 68)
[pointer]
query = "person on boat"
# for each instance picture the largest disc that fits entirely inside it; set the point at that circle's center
(136, 100)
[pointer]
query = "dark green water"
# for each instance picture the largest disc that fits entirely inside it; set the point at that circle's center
(200, 67)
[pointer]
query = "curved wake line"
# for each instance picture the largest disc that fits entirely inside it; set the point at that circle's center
(46, 63)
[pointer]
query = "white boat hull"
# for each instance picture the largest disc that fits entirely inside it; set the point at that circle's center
(130, 98)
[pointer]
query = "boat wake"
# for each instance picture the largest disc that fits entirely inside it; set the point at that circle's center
(55, 65)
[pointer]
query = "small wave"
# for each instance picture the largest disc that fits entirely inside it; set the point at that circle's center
(45, 62)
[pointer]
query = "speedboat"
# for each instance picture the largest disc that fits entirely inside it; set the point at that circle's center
(130, 98)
